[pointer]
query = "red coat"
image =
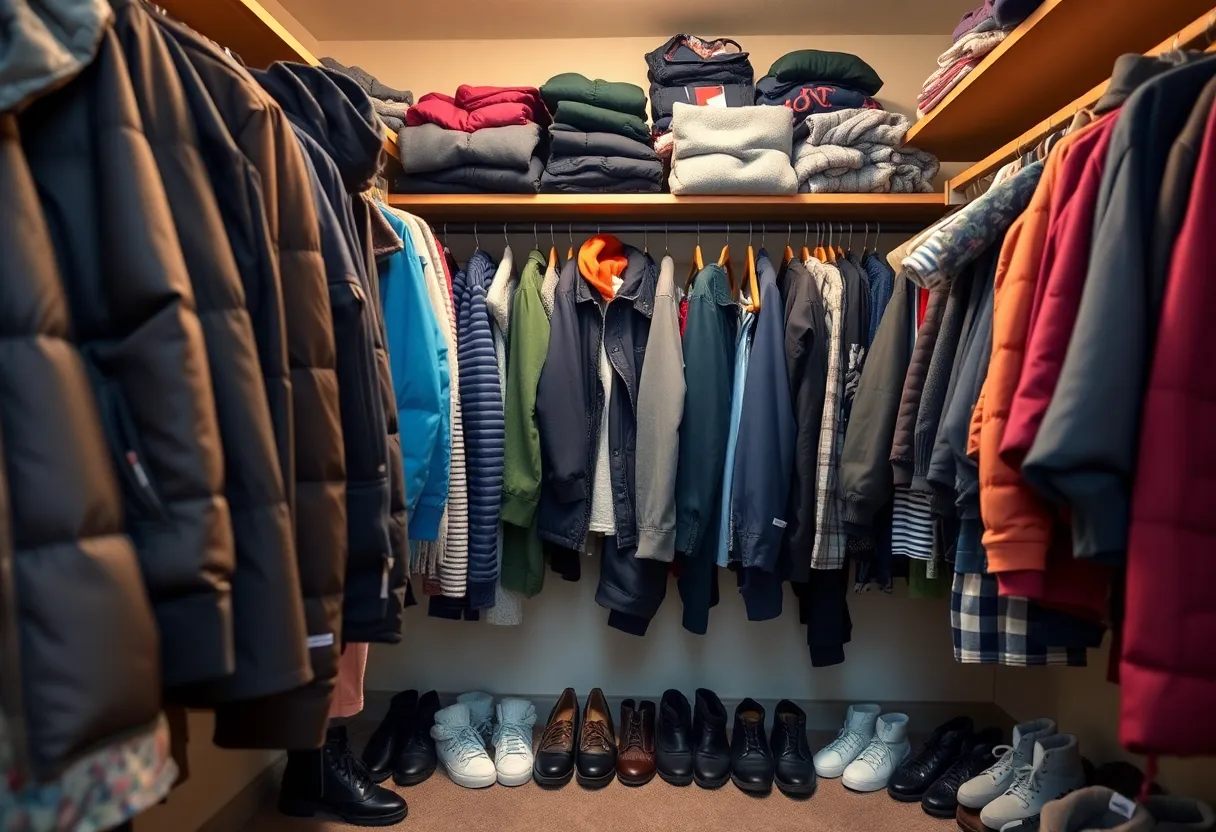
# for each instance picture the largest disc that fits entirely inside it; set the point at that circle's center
(476, 108)
(1168, 670)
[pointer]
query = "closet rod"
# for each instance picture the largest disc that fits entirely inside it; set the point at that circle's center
(732, 228)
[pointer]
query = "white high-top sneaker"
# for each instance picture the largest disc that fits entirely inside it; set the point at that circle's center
(513, 741)
(460, 748)
(878, 760)
(1055, 772)
(858, 730)
(993, 781)
(481, 711)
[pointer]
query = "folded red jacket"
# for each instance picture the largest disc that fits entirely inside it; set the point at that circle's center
(476, 98)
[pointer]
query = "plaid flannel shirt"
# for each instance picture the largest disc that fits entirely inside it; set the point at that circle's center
(993, 629)
(830, 536)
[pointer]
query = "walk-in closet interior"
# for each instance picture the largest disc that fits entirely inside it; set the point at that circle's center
(537, 415)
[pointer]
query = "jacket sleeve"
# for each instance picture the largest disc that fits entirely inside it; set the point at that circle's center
(903, 442)
(563, 424)
(660, 410)
(866, 483)
(765, 451)
(527, 346)
(807, 368)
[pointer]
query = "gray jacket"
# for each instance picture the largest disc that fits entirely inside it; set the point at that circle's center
(939, 380)
(660, 409)
(904, 439)
(429, 147)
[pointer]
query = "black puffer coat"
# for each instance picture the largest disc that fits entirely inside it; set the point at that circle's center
(78, 644)
(134, 320)
(313, 459)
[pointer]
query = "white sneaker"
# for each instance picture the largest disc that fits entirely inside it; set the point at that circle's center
(1055, 772)
(858, 730)
(878, 760)
(513, 741)
(481, 711)
(460, 749)
(993, 781)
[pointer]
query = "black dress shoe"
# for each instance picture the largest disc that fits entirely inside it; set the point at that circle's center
(595, 763)
(381, 749)
(333, 781)
(795, 765)
(711, 752)
(942, 750)
(751, 759)
(415, 760)
(941, 800)
(673, 746)
(554, 763)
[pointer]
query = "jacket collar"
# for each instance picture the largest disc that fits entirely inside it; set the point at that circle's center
(711, 281)
(637, 285)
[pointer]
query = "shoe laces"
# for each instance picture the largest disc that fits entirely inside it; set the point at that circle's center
(922, 761)
(464, 741)
(349, 767)
(1004, 763)
(877, 753)
(847, 743)
(596, 733)
(633, 732)
(1026, 785)
(751, 736)
(513, 738)
(557, 734)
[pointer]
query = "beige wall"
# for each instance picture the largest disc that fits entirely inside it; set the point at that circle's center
(1085, 704)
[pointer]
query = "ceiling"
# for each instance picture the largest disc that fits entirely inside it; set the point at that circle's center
(330, 20)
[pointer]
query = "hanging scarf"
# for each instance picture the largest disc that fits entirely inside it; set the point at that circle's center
(601, 259)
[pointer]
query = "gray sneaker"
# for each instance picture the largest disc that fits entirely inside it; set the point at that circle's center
(1055, 772)
(991, 783)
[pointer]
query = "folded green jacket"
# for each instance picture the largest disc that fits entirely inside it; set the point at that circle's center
(592, 119)
(611, 95)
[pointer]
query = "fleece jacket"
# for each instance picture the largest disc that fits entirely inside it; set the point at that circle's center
(738, 150)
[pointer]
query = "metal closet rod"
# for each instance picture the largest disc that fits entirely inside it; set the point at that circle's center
(733, 228)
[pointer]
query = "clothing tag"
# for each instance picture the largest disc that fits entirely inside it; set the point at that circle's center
(322, 640)
(1120, 805)
(781, 524)
(388, 566)
(710, 96)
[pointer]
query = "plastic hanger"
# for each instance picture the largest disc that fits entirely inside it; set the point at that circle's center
(753, 285)
(789, 252)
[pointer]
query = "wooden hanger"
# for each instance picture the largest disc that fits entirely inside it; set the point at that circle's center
(753, 285)
(570, 231)
(806, 252)
(698, 262)
(789, 252)
(724, 262)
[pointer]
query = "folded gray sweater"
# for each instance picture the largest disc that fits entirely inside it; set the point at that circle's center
(735, 150)
(860, 151)
(368, 82)
(429, 147)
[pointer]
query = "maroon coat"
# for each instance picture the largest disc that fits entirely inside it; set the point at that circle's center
(1168, 669)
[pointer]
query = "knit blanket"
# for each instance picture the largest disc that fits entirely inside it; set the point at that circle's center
(736, 150)
(860, 151)
(370, 85)
(429, 147)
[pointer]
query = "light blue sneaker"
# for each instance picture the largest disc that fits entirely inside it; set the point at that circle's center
(460, 749)
(513, 741)
(481, 711)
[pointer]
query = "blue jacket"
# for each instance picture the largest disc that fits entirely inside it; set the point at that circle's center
(418, 359)
(484, 424)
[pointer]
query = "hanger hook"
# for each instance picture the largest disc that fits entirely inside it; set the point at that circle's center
(789, 235)
(666, 238)
(552, 239)
(728, 233)
(806, 233)
(698, 234)
(535, 237)
(476, 236)
(505, 238)
(570, 233)
(750, 231)
(645, 238)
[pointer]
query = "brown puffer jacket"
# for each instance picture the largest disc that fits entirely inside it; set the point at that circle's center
(78, 643)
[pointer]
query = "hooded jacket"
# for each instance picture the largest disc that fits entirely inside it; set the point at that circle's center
(72, 675)
(341, 137)
(312, 456)
(134, 320)
(268, 628)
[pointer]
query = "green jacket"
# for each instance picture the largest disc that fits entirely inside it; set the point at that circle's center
(611, 95)
(592, 119)
(523, 567)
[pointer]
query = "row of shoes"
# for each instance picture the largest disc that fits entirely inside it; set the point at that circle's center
(681, 742)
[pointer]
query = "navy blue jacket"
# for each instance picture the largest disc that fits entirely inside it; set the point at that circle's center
(484, 424)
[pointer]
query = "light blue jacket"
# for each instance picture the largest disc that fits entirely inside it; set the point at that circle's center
(418, 359)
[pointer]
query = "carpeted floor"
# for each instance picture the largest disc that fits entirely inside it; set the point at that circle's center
(439, 805)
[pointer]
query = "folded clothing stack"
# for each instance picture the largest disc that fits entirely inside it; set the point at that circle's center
(740, 150)
(955, 63)
(492, 160)
(861, 152)
(697, 72)
(599, 141)
(478, 108)
(811, 81)
(390, 104)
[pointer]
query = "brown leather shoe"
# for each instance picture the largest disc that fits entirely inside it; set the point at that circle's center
(554, 764)
(596, 761)
(635, 764)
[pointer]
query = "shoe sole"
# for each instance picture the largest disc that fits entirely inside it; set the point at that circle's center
(711, 784)
(551, 782)
(634, 782)
(796, 791)
(906, 798)
(468, 782)
(751, 788)
(863, 788)
(515, 779)
(830, 773)
(672, 780)
(413, 779)
(940, 813)
(309, 809)
(595, 782)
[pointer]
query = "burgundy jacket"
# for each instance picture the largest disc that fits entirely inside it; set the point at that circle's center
(1168, 669)
(475, 108)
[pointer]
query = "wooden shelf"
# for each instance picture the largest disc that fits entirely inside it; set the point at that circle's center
(1197, 35)
(661, 207)
(1063, 49)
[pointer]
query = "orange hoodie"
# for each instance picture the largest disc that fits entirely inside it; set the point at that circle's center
(601, 259)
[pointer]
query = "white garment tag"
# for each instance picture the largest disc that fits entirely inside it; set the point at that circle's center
(322, 640)
(1120, 805)
(781, 524)
(388, 566)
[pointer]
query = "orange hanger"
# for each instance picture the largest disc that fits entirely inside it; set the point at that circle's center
(698, 262)
(724, 262)
(570, 232)
(806, 252)
(753, 285)
(789, 252)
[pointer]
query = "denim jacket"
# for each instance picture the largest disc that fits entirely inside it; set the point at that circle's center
(569, 433)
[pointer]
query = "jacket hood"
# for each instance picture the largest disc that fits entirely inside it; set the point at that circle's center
(44, 43)
(333, 110)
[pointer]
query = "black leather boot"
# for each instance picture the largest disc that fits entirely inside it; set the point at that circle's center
(711, 751)
(795, 765)
(673, 745)
(942, 750)
(381, 749)
(333, 781)
(941, 800)
(750, 755)
(415, 758)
